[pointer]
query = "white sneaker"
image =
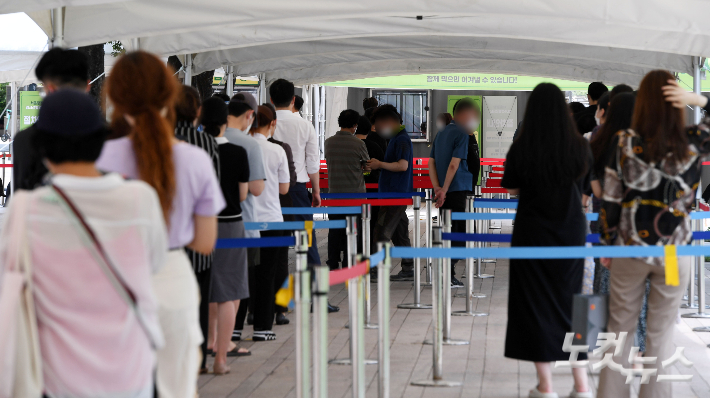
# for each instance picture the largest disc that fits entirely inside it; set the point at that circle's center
(535, 393)
(577, 394)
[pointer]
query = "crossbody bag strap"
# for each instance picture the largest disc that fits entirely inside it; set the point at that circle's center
(104, 261)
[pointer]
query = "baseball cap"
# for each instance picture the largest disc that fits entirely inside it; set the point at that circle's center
(69, 112)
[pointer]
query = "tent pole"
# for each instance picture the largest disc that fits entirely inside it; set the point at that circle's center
(262, 88)
(697, 65)
(136, 43)
(57, 39)
(188, 70)
(229, 84)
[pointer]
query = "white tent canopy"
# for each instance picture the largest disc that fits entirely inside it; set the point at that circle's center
(341, 59)
(677, 27)
(10, 6)
(15, 66)
(609, 40)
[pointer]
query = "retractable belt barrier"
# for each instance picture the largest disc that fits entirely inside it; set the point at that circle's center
(373, 202)
(552, 252)
(320, 210)
(506, 238)
(372, 195)
(293, 225)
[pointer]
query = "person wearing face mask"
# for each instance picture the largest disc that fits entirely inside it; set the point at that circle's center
(242, 111)
(396, 176)
(443, 120)
(268, 209)
(449, 175)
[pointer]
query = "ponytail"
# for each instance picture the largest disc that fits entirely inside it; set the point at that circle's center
(152, 144)
(140, 86)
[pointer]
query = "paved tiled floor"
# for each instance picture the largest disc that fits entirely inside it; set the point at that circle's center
(480, 366)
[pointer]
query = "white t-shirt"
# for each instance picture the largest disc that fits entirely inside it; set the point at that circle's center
(267, 207)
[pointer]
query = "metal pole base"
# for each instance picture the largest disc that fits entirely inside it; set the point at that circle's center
(436, 383)
(702, 329)
(696, 315)
(695, 306)
(425, 284)
(348, 361)
(466, 313)
(449, 342)
(489, 261)
(474, 295)
(483, 276)
(414, 306)
(371, 326)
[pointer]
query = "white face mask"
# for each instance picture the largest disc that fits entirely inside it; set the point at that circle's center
(472, 124)
(440, 126)
(596, 119)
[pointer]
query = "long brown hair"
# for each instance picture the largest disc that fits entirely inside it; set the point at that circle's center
(658, 122)
(141, 87)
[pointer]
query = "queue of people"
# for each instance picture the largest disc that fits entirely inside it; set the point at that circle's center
(119, 222)
(643, 167)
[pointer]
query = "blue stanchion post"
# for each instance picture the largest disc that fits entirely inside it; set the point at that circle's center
(428, 198)
(365, 228)
(470, 294)
(383, 313)
(302, 297)
(416, 305)
(437, 306)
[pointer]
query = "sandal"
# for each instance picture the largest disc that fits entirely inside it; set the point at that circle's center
(264, 335)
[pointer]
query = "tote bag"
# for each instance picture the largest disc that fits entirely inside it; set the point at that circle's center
(20, 356)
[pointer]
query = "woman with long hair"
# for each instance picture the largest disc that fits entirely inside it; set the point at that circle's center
(551, 191)
(143, 92)
(230, 281)
(649, 189)
(603, 144)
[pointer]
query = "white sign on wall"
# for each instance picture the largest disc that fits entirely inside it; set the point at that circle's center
(500, 119)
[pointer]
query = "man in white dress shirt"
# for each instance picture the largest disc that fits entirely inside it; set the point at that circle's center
(300, 135)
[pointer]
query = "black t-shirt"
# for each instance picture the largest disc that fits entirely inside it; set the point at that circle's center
(28, 169)
(546, 215)
(381, 142)
(234, 165)
(375, 152)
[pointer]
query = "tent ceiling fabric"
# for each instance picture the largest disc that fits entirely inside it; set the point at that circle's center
(188, 26)
(10, 6)
(341, 59)
(17, 65)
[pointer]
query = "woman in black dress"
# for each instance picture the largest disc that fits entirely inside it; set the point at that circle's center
(548, 167)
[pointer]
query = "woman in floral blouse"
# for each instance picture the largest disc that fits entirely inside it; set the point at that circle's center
(650, 187)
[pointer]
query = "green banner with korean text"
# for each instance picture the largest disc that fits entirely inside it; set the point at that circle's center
(29, 108)
(461, 81)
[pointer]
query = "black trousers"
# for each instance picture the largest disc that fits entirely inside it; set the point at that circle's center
(338, 244)
(456, 202)
(263, 293)
(203, 281)
(392, 224)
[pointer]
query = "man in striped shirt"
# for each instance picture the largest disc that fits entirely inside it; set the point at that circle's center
(187, 110)
(345, 155)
